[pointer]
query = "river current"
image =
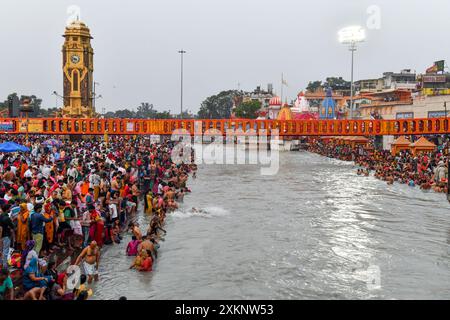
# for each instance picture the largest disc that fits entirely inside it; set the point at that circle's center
(316, 230)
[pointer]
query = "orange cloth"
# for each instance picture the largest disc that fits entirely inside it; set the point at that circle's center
(147, 264)
(23, 233)
(49, 227)
(96, 192)
(123, 191)
(23, 168)
(85, 188)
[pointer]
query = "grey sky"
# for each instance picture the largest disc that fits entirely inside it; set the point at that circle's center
(227, 41)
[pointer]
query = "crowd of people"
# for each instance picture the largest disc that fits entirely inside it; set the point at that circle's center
(427, 170)
(67, 200)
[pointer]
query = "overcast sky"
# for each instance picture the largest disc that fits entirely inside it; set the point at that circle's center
(227, 42)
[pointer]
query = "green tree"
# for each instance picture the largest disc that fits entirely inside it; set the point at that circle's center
(186, 115)
(140, 114)
(313, 86)
(48, 113)
(109, 114)
(163, 115)
(12, 95)
(218, 106)
(337, 83)
(248, 110)
(145, 111)
(125, 113)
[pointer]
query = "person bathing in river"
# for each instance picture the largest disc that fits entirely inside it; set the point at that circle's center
(115, 232)
(170, 194)
(132, 247)
(172, 205)
(143, 262)
(147, 245)
(390, 179)
(195, 210)
(137, 262)
(154, 227)
(135, 230)
(147, 263)
(91, 259)
(180, 195)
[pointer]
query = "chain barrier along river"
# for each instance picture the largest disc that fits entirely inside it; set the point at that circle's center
(316, 230)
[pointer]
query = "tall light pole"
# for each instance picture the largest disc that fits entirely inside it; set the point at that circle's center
(351, 36)
(58, 96)
(181, 52)
(94, 95)
(62, 99)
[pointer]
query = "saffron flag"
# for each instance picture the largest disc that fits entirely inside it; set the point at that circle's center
(432, 69)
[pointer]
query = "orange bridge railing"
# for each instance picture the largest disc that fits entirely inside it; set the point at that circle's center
(66, 126)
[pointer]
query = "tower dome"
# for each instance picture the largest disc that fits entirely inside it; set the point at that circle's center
(275, 101)
(77, 28)
(285, 113)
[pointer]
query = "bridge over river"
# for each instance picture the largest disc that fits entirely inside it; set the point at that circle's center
(201, 127)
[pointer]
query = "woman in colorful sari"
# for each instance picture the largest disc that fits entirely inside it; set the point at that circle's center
(23, 232)
(155, 204)
(97, 226)
(49, 238)
(23, 168)
(21, 193)
(85, 187)
(29, 250)
(155, 186)
(149, 202)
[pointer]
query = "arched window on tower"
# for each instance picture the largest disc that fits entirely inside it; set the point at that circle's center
(75, 80)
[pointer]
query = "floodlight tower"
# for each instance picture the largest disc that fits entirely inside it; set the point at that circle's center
(351, 36)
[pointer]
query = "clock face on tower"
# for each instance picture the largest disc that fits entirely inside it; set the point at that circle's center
(75, 59)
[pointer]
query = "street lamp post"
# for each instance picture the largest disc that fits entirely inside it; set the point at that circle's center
(56, 101)
(352, 49)
(94, 97)
(57, 95)
(181, 52)
(61, 97)
(351, 36)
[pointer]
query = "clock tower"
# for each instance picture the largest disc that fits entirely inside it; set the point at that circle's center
(78, 68)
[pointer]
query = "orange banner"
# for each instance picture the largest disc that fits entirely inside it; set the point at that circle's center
(34, 125)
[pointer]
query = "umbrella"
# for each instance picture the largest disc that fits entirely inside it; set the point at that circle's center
(52, 143)
(13, 147)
